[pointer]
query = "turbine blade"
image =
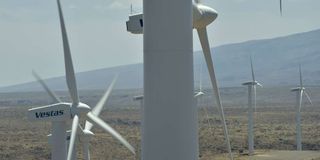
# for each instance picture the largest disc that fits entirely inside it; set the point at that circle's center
(46, 88)
(281, 7)
(97, 109)
(253, 78)
(308, 97)
(70, 75)
(97, 121)
(202, 32)
(74, 129)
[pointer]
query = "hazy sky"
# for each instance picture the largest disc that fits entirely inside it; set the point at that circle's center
(30, 33)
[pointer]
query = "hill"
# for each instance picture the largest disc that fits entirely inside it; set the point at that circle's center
(276, 63)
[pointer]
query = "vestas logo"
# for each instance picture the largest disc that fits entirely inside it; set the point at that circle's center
(49, 114)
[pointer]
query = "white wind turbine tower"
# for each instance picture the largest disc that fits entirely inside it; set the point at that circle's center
(55, 99)
(168, 76)
(300, 92)
(199, 93)
(169, 120)
(198, 96)
(60, 112)
(251, 99)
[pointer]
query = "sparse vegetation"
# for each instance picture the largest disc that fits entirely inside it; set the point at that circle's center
(21, 139)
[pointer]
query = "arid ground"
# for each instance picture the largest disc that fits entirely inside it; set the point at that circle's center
(21, 139)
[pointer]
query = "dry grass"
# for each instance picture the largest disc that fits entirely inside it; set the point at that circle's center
(274, 129)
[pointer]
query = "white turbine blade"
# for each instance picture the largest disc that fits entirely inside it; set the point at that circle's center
(281, 7)
(97, 109)
(46, 88)
(202, 32)
(253, 78)
(70, 75)
(259, 84)
(97, 121)
(301, 85)
(74, 129)
(300, 100)
(308, 97)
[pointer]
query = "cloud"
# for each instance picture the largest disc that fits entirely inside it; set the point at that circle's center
(117, 5)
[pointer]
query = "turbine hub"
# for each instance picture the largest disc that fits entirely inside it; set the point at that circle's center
(83, 108)
(203, 15)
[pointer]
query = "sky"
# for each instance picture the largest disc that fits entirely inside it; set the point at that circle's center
(30, 37)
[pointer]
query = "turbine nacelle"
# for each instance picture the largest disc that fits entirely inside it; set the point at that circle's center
(137, 98)
(254, 83)
(198, 94)
(203, 15)
(297, 89)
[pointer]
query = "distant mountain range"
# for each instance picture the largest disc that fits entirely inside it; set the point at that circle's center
(275, 61)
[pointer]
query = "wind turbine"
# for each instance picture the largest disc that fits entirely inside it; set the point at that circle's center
(300, 92)
(251, 99)
(155, 25)
(202, 17)
(200, 94)
(86, 134)
(76, 110)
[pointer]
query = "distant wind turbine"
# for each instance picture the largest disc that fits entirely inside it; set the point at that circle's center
(198, 96)
(199, 93)
(300, 92)
(251, 86)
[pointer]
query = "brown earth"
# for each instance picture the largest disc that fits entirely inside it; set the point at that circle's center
(274, 130)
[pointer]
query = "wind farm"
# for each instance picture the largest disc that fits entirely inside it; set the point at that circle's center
(177, 80)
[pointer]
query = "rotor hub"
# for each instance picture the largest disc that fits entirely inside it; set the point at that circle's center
(80, 109)
(203, 15)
